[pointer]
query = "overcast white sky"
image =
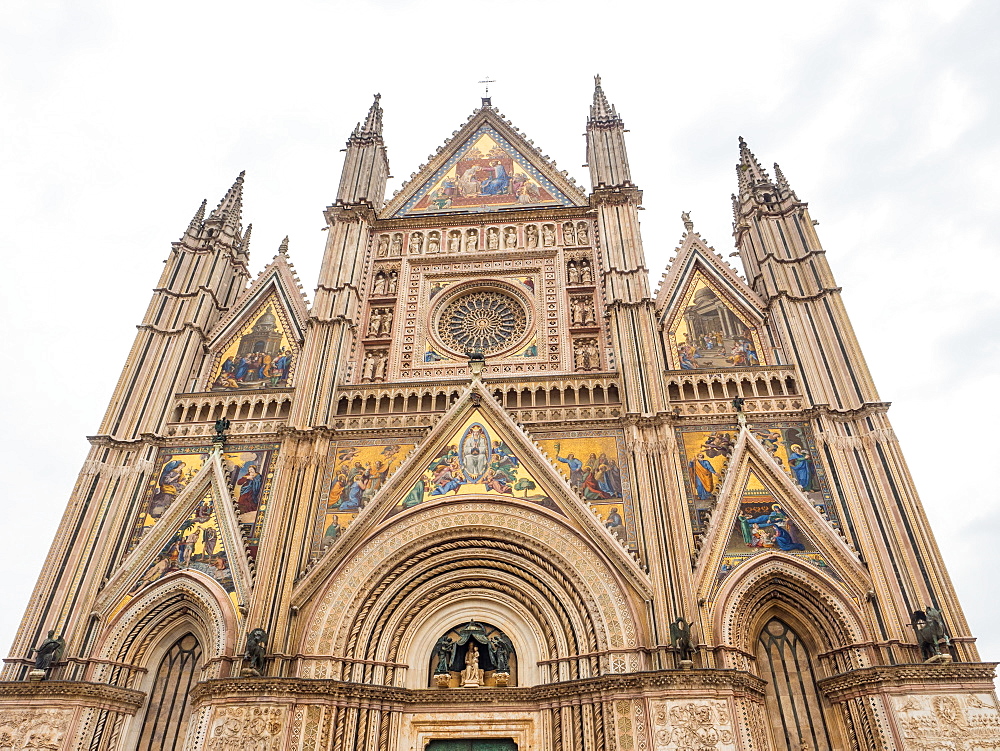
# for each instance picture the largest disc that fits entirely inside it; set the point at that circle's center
(117, 118)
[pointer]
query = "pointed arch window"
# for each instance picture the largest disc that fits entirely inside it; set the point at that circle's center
(795, 708)
(165, 722)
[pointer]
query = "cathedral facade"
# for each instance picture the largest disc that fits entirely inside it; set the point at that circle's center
(489, 491)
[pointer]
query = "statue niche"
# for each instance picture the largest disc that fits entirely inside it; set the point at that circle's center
(472, 656)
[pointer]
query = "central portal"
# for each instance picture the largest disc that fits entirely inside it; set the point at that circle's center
(488, 744)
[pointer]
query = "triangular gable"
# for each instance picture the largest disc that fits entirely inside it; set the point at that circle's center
(710, 318)
(476, 460)
(517, 470)
(487, 165)
(248, 469)
(694, 254)
(761, 511)
(198, 534)
(258, 342)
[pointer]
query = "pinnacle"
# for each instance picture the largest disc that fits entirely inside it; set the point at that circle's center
(373, 122)
(199, 217)
(601, 111)
(245, 242)
(283, 248)
(782, 182)
(749, 168)
(230, 207)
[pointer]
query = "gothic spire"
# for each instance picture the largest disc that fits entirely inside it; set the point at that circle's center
(601, 112)
(606, 155)
(198, 219)
(229, 211)
(245, 241)
(373, 123)
(366, 166)
(748, 170)
(784, 189)
(283, 248)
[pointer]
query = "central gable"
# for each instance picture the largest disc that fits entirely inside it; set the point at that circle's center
(486, 166)
(477, 460)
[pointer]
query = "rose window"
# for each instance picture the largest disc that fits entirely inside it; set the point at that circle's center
(484, 321)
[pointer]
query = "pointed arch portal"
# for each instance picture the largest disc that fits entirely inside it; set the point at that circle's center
(165, 721)
(794, 704)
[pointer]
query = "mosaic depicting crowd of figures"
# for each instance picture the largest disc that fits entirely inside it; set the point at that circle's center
(485, 172)
(196, 545)
(260, 355)
(710, 333)
(476, 460)
(762, 523)
(248, 472)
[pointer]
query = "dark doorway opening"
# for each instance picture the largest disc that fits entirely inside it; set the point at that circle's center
(485, 744)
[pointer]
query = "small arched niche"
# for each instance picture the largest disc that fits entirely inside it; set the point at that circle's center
(473, 655)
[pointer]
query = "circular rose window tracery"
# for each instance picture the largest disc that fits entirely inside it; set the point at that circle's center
(484, 321)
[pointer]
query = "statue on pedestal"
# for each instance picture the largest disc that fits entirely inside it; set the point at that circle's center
(221, 426)
(48, 652)
(256, 654)
(444, 650)
(472, 676)
(680, 639)
(928, 625)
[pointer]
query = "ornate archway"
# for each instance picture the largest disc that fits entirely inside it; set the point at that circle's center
(556, 590)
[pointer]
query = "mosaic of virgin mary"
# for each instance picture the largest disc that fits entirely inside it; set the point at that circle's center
(474, 452)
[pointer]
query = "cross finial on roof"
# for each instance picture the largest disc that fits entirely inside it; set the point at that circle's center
(487, 102)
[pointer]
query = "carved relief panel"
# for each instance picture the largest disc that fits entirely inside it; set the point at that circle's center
(34, 728)
(963, 722)
(703, 724)
(257, 727)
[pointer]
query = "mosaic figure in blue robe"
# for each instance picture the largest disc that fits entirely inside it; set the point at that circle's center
(801, 466)
(782, 537)
(498, 183)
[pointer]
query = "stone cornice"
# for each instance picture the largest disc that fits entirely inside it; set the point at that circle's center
(218, 394)
(888, 678)
(483, 219)
(847, 415)
(618, 304)
(79, 692)
(145, 439)
(465, 258)
(806, 255)
(783, 295)
(179, 330)
(350, 212)
(776, 209)
(616, 195)
(710, 681)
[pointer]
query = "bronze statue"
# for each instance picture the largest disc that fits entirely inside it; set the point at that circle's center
(500, 649)
(49, 651)
(680, 639)
(444, 650)
(928, 625)
(256, 654)
(222, 425)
